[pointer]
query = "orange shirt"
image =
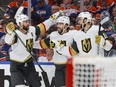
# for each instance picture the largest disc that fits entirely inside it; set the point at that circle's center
(115, 1)
(14, 4)
(50, 2)
(70, 6)
(109, 2)
(90, 8)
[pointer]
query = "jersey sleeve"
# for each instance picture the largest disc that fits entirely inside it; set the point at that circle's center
(74, 49)
(42, 44)
(44, 26)
(40, 29)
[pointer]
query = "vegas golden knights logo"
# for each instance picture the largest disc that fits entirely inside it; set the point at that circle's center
(86, 45)
(29, 44)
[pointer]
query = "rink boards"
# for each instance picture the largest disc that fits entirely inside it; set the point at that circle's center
(47, 66)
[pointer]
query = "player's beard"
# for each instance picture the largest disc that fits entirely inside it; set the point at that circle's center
(59, 30)
(26, 28)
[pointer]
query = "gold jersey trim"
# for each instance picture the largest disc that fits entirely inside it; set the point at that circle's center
(42, 28)
(21, 61)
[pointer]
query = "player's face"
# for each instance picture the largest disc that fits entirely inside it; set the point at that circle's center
(79, 21)
(26, 25)
(60, 27)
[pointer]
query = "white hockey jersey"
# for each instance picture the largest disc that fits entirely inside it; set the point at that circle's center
(86, 42)
(86, 45)
(19, 52)
(67, 40)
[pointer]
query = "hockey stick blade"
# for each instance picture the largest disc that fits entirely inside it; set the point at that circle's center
(19, 12)
(104, 20)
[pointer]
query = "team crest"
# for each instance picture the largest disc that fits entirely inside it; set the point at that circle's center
(86, 45)
(29, 44)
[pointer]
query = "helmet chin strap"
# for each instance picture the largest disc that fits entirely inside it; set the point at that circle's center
(64, 30)
(85, 27)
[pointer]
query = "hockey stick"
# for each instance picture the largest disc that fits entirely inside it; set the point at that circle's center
(44, 74)
(102, 22)
(100, 25)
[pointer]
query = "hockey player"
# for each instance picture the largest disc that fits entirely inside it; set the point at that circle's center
(21, 40)
(64, 36)
(87, 41)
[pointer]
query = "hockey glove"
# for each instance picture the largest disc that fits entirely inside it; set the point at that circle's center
(55, 16)
(10, 27)
(100, 40)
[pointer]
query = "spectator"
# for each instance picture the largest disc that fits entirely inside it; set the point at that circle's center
(73, 17)
(51, 2)
(68, 7)
(13, 6)
(34, 2)
(55, 8)
(88, 6)
(4, 47)
(104, 5)
(96, 19)
(41, 12)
